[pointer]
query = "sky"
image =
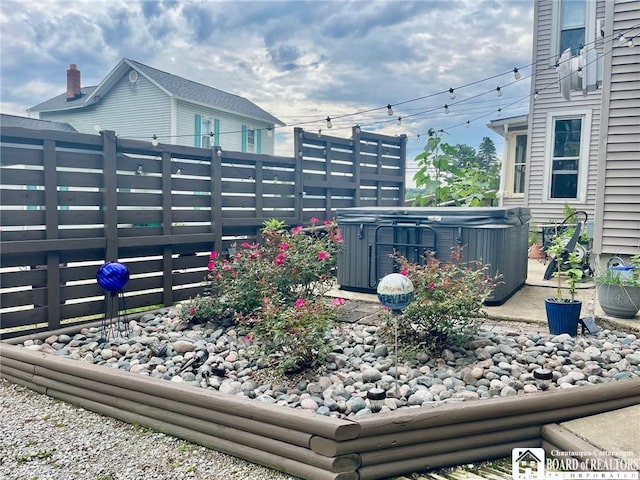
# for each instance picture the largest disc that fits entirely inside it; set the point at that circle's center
(299, 60)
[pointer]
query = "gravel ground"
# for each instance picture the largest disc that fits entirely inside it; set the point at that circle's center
(46, 439)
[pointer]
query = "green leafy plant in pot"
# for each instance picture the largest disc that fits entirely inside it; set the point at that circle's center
(619, 288)
(563, 313)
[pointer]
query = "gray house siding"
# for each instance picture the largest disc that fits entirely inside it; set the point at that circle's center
(618, 199)
(132, 110)
(550, 101)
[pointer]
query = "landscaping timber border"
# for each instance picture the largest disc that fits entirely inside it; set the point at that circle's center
(306, 444)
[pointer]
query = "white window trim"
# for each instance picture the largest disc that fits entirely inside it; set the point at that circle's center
(589, 28)
(585, 149)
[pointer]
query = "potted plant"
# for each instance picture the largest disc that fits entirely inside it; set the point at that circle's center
(619, 288)
(563, 314)
(535, 251)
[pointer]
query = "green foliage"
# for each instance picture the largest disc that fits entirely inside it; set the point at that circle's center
(267, 285)
(448, 303)
(572, 261)
(296, 337)
(453, 176)
(533, 232)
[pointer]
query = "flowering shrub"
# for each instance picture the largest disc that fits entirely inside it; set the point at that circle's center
(295, 337)
(447, 305)
(273, 286)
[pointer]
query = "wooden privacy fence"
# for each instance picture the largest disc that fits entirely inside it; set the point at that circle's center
(69, 202)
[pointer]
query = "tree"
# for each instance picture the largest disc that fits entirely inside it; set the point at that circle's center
(449, 175)
(487, 155)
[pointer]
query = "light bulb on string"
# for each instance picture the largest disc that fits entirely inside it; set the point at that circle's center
(630, 43)
(329, 124)
(139, 170)
(536, 94)
(389, 110)
(319, 132)
(516, 73)
(179, 171)
(499, 91)
(499, 112)
(269, 132)
(446, 108)
(154, 140)
(399, 121)
(452, 94)
(622, 39)
(468, 123)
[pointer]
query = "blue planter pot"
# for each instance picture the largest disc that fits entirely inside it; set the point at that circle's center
(563, 317)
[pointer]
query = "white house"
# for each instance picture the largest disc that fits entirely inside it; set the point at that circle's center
(583, 127)
(138, 101)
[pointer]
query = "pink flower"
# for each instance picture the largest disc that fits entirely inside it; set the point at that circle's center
(254, 255)
(247, 338)
(227, 267)
(314, 220)
(404, 272)
(386, 309)
(192, 310)
(280, 258)
(299, 303)
(213, 255)
(296, 230)
(265, 300)
(338, 301)
(283, 246)
(211, 265)
(432, 286)
(338, 237)
(327, 222)
(323, 255)
(245, 245)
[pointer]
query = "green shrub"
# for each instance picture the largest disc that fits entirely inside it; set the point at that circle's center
(447, 308)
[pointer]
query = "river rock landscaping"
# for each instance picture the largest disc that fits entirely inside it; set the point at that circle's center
(497, 362)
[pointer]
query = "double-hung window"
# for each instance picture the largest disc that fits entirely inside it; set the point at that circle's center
(568, 156)
(206, 131)
(251, 140)
(572, 25)
(520, 165)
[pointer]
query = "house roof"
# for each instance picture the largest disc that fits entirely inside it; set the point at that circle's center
(519, 122)
(33, 124)
(172, 85)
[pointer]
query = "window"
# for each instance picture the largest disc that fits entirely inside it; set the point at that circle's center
(251, 140)
(520, 164)
(205, 129)
(572, 25)
(568, 140)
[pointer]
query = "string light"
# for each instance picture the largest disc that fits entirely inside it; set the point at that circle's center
(269, 132)
(622, 39)
(468, 123)
(319, 132)
(139, 170)
(179, 171)
(516, 73)
(499, 91)
(499, 112)
(389, 110)
(536, 94)
(446, 108)
(452, 94)
(154, 140)
(329, 124)
(399, 121)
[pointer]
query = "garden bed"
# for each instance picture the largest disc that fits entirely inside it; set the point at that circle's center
(345, 444)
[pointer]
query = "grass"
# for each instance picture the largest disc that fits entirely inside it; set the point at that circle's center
(41, 455)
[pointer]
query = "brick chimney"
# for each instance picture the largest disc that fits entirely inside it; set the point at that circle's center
(73, 83)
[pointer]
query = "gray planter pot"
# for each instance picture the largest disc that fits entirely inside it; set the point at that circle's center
(619, 300)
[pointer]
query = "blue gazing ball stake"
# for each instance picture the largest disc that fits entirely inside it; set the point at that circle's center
(112, 276)
(395, 291)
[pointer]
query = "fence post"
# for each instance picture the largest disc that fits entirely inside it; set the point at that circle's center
(355, 134)
(52, 222)
(298, 201)
(110, 194)
(167, 229)
(403, 167)
(216, 197)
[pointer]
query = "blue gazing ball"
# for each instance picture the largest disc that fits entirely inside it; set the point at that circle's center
(112, 276)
